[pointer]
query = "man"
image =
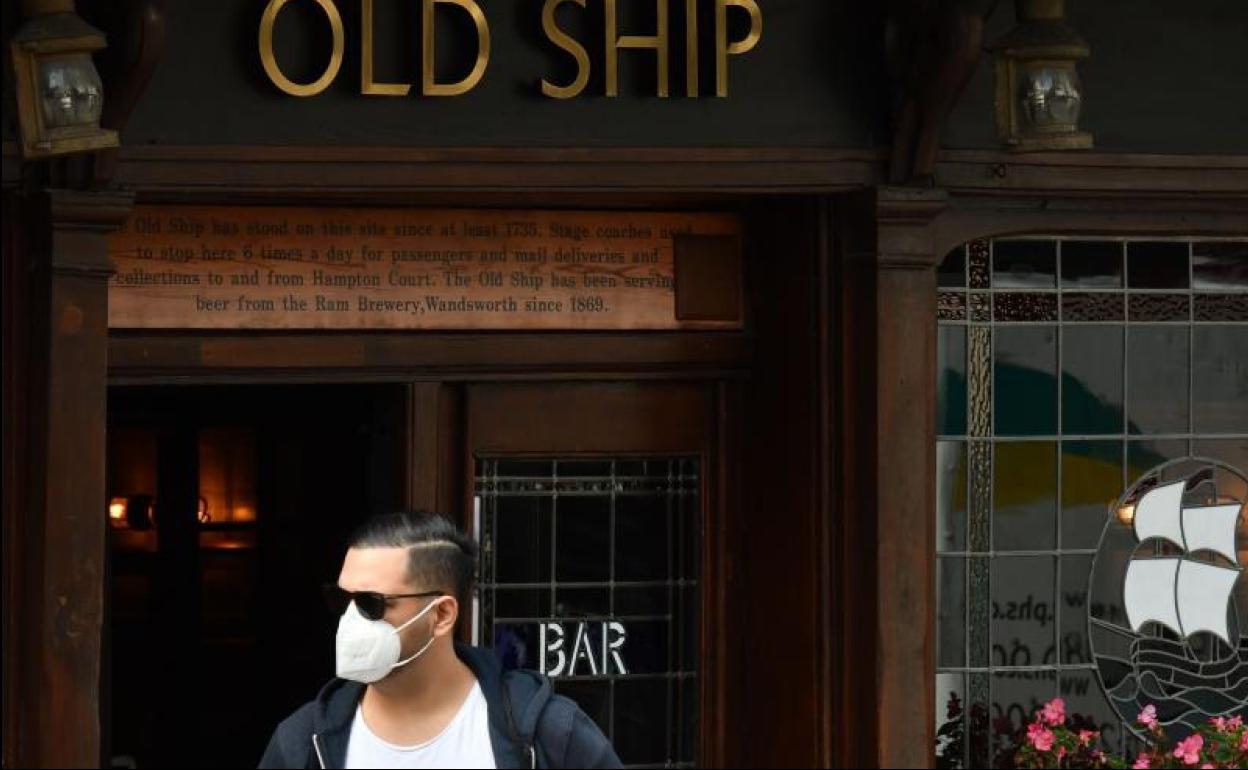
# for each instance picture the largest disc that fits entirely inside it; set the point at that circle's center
(406, 694)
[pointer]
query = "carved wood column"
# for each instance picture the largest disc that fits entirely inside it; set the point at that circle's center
(63, 529)
(887, 543)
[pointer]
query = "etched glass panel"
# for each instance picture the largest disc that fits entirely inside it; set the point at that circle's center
(1024, 502)
(952, 271)
(1150, 345)
(951, 390)
(1091, 264)
(1024, 264)
(1158, 307)
(1220, 307)
(1220, 379)
(590, 574)
(1157, 264)
(1025, 380)
(951, 496)
(1091, 482)
(1092, 380)
(1220, 266)
(951, 604)
(1157, 371)
(1092, 307)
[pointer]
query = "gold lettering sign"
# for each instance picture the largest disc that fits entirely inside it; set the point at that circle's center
(193, 267)
(660, 43)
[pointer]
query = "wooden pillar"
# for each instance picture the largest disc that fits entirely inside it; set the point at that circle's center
(887, 543)
(433, 477)
(62, 531)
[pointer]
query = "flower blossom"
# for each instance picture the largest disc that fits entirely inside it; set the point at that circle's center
(1188, 749)
(1040, 736)
(1054, 712)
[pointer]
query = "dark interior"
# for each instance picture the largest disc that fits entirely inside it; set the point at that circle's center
(229, 506)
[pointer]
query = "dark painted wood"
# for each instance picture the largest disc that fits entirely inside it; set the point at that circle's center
(780, 612)
(60, 562)
(15, 374)
(580, 177)
(932, 49)
(136, 30)
(708, 278)
(723, 661)
(583, 177)
(1159, 214)
(455, 356)
(833, 622)
(889, 494)
(432, 470)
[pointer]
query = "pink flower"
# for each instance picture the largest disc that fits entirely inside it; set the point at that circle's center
(1141, 763)
(1206, 766)
(1243, 742)
(1188, 749)
(1219, 723)
(1235, 722)
(1040, 736)
(1054, 712)
(1148, 717)
(1085, 737)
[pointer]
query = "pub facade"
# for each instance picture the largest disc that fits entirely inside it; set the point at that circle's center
(804, 370)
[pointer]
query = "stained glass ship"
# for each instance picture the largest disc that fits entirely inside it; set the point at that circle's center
(1180, 593)
(1185, 587)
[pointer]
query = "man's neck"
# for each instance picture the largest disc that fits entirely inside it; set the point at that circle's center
(415, 703)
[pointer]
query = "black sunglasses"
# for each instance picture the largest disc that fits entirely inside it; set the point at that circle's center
(371, 604)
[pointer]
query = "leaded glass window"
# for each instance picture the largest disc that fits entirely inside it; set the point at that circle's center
(590, 574)
(1067, 367)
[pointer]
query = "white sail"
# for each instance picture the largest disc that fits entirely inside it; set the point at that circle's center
(1203, 596)
(1157, 514)
(1211, 528)
(1149, 593)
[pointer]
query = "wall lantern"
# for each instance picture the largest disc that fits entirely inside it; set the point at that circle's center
(59, 93)
(1038, 91)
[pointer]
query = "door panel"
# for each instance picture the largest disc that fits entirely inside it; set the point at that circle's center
(588, 417)
(590, 507)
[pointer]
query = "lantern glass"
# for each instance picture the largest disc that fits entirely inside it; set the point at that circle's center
(70, 91)
(1050, 96)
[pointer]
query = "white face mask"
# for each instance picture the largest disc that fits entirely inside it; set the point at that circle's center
(367, 650)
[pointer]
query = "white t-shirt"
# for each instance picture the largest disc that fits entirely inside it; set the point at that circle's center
(465, 743)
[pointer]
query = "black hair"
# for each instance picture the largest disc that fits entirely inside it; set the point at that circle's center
(440, 556)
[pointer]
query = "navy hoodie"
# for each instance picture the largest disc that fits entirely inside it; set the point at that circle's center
(530, 726)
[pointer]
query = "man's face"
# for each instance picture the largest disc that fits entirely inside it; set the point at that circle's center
(384, 570)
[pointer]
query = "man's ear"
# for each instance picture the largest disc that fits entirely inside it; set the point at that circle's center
(445, 615)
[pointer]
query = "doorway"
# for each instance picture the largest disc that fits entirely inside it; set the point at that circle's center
(228, 508)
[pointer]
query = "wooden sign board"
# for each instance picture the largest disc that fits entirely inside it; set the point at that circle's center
(196, 267)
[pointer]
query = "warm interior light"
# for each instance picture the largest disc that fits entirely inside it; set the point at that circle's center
(1126, 514)
(117, 510)
(227, 474)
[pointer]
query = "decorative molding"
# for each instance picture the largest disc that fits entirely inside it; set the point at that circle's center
(79, 223)
(904, 217)
(89, 211)
(378, 174)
